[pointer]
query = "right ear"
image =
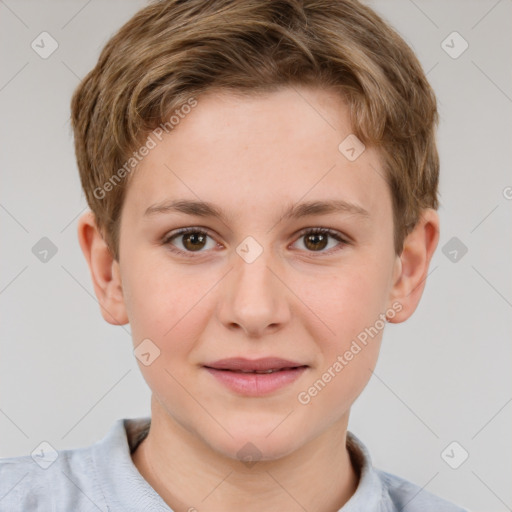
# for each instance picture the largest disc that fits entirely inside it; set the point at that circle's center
(105, 271)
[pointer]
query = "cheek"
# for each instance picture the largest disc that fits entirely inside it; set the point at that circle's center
(166, 310)
(163, 304)
(347, 302)
(332, 392)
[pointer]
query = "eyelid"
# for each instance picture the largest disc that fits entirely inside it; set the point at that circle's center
(329, 231)
(183, 231)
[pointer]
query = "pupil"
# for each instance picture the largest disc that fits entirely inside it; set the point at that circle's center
(316, 238)
(197, 240)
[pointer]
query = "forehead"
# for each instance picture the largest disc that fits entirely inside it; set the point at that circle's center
(256, 153)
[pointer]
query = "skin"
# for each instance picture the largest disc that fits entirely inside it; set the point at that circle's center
(253, 157)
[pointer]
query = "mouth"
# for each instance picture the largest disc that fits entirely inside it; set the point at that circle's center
(255, 377)
(259, 366)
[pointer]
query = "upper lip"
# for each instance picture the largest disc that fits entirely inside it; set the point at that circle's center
(266, 363)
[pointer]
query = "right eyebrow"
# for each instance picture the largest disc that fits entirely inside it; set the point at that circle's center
(187, 206)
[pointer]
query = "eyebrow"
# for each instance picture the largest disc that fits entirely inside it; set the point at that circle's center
(295, 211)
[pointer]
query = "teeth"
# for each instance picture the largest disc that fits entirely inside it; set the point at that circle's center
(272, 370)
(257, 371)
(263, 371)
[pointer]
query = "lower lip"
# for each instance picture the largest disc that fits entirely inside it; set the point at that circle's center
(256, 384)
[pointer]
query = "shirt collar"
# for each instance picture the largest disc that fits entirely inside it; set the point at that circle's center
(370, 491)
(125, 488)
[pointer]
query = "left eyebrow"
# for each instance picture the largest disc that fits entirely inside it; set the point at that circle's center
(296, 211)
(311, 208)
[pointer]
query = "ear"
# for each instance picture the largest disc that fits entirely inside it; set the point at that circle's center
(411, 267)
(105, 271)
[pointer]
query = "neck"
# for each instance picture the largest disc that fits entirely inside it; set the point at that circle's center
(189, 475)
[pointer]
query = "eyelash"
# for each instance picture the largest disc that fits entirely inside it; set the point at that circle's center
(308, 231)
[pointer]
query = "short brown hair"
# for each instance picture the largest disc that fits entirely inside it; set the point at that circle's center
(173, 50)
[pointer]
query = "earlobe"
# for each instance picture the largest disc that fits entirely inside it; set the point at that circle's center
(412, 269)
(105, 272)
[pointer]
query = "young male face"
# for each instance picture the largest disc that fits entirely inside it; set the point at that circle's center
(256, 286)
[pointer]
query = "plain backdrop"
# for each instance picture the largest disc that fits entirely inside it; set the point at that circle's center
(443, 376)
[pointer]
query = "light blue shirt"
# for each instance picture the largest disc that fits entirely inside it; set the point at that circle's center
(102, 477)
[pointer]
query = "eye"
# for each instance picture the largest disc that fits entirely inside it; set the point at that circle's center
(317, 239)
(190, 240)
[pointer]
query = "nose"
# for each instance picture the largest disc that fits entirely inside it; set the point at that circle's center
(254, 298)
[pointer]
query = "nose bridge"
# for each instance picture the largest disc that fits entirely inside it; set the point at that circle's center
(254, 274)
(255, 299)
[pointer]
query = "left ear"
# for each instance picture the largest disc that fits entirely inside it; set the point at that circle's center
(412, 265)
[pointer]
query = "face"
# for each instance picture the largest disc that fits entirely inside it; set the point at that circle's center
(258, 282)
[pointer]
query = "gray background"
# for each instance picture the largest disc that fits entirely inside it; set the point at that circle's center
(443, 376)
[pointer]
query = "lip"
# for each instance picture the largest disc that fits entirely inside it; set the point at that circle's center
(234, 374)
(263, 364)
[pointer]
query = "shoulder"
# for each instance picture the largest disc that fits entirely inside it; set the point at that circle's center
(49, 480)
(98, 477)
(403, 493)
(20, 484)
(381, 491)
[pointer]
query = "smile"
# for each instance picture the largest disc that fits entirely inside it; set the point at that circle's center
(255, 377)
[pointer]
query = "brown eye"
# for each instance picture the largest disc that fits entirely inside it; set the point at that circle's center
(194, 241)
(187, 241)
(317, 239)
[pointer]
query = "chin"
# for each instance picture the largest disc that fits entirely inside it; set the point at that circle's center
(254, 444)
